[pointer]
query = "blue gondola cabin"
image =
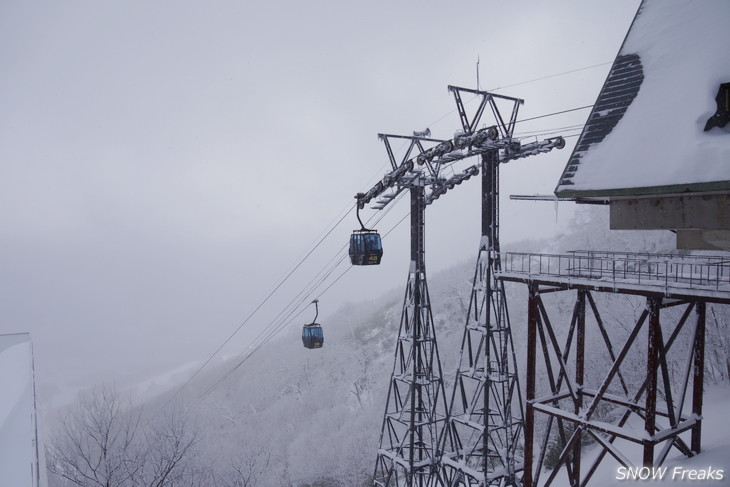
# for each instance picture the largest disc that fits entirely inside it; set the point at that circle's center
(312, 336)
(365, 247)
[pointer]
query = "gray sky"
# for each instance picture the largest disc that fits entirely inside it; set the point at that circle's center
(165, 163)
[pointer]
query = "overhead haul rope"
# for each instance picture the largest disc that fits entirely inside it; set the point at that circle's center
(524, 83)
(310, 286)
(347, 210)
(265, 300)
(275, 328)
(286, 277)
(282, 325)
(548, 132)
(552, 76)
(267, 333)
(543, 131)
(555, 113)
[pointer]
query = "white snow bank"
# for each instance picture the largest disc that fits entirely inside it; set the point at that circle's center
(715, 453)
(18, 454)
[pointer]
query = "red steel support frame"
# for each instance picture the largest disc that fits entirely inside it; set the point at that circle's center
(532, 318)
(652, 361)
(580, 346)
(573, 403)
(699, 375)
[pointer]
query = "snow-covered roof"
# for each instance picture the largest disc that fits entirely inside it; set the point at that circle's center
(645, 134)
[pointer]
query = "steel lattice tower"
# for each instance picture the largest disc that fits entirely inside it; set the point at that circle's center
(420, 445)
(479, 444)
(416, 406)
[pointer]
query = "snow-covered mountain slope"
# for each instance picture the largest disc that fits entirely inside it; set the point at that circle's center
(298, 417)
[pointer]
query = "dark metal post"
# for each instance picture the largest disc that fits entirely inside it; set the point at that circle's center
(418, 209)
(652, 363)
(532, 317)
(480, 441)
(699, 375)
(580, 346)
(487, 371)
(490, 201)
(490, 198)
(415, 410)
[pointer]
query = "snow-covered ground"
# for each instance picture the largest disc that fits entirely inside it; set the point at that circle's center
(293, 416)
(715, 454)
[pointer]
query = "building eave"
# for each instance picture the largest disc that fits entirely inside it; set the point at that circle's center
(648, 191)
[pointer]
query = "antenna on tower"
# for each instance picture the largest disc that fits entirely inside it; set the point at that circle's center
(478, 87)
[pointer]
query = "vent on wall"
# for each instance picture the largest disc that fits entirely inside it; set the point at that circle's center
(722, 116)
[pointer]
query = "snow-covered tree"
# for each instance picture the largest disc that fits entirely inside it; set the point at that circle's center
(103, 441)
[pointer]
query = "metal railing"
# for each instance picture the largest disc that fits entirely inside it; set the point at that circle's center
(666, 270)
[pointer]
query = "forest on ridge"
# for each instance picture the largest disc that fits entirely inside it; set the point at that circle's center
(297, 417)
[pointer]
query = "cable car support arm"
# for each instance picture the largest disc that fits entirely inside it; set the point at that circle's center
(444, 153)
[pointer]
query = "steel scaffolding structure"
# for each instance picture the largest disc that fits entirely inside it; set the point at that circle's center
(479, 445)
(412, 439)
(416, 404)
(475, 440)
(649, 412)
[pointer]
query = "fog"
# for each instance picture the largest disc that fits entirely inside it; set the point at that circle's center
(166, 164)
